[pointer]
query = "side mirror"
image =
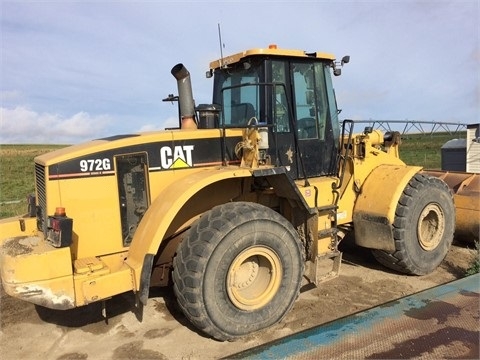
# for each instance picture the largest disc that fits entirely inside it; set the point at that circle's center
(368, 130)
(346, 59)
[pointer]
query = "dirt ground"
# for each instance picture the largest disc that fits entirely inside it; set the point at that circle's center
(31, 332)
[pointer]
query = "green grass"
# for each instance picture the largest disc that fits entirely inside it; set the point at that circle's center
(17, 176)
(17, 167)
(475, 265)
(425, 150)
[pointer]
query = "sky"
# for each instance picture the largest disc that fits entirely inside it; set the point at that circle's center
(72, 71)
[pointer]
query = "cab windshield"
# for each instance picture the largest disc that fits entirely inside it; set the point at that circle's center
(255, 90)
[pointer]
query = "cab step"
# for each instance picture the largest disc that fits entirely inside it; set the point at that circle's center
(325, 267)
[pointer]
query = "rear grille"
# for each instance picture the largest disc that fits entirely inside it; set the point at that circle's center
(41, 197)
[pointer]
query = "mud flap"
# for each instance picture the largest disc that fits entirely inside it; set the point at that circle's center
(141, 296)
(145, 279)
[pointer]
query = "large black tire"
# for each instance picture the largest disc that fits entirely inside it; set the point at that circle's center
(238, 270)
(423, 227)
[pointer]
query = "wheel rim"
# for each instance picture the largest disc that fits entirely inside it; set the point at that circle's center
(254, 278)
(431, 226)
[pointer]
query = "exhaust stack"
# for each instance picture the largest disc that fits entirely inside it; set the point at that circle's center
(185, 97)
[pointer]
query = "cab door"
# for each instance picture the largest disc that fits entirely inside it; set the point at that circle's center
(315, 115)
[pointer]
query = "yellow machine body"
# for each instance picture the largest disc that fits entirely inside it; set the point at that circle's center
(104, 266)
(113, 214)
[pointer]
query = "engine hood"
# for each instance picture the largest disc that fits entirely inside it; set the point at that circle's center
(166, 150)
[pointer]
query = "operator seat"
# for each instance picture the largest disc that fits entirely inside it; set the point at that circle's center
(242, 113)
(307, 128)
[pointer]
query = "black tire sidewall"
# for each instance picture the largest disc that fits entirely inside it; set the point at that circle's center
(425, 261)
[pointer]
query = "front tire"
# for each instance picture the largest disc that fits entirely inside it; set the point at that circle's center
(238, 270)
(423, 227)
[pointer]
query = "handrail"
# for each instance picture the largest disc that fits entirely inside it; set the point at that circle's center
(436, 126)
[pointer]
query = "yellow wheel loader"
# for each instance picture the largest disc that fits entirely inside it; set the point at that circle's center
(249, 195)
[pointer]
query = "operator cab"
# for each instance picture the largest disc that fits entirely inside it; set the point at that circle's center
(288, 92)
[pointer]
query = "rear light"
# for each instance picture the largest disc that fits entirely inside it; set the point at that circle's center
(59, 229)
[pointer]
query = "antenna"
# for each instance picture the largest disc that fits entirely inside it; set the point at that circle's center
(221, 45)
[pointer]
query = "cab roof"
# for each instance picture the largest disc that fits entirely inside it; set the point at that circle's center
(271, 50)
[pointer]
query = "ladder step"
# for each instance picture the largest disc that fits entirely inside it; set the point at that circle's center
(327, 232)
(325, 267)
(327, 208)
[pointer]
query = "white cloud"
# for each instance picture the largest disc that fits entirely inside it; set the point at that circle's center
(22, 125)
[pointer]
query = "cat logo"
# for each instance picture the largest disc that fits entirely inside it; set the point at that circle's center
(177, 157)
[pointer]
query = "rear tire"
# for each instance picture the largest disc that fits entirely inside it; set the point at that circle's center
(423, 227)
(238, 270)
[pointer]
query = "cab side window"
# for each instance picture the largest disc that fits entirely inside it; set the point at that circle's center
(281, 113)
(310, 100)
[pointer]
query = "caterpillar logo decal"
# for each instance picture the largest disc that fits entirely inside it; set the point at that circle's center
(161, 156)
(177, 157)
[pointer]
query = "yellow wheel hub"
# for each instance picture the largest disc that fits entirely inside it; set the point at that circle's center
(254, 278)
(431, 226)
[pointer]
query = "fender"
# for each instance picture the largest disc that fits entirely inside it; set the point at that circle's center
(161, 214)
(374, 210)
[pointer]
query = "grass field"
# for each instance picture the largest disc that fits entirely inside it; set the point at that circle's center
(17, 167)
(17, 176)
(425, 150)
